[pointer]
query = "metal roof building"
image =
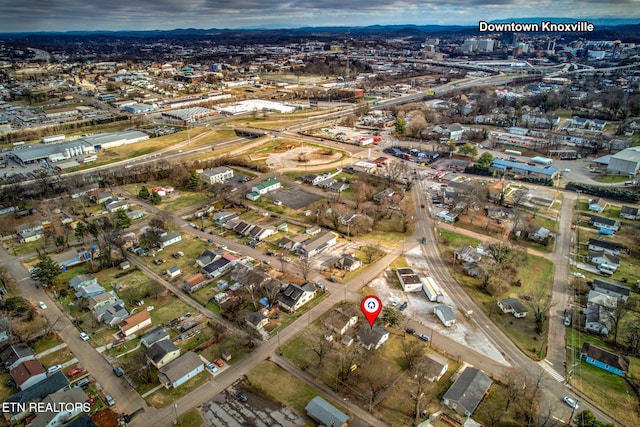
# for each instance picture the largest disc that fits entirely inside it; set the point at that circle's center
(524, 169)
(625, 162)
(189, 115)
(52, 152)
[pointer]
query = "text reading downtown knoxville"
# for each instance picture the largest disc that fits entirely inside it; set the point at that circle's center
(532, 27)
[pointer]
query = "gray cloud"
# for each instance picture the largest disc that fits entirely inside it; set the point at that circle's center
(63, 15)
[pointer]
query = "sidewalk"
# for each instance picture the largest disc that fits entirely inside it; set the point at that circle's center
(51, 350)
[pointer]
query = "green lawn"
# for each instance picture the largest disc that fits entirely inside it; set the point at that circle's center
(164, 397)
(611, 179)
(191, 418)
(183, 200)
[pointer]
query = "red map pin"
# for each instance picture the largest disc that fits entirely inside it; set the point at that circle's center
(371, 307)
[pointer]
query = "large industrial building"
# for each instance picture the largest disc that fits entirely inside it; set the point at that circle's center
(189, 115)
(625, 162)
(77, 148)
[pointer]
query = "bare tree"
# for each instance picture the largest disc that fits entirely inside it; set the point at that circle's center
(413, 351)
(319, 345)
(540, 304)
(618, 314)
(377, 376)
(305, 266)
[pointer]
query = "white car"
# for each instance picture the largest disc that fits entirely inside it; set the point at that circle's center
(84, 336)
(571, 402)
(42, 305)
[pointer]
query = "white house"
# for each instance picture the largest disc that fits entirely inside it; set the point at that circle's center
(174, 272)
(318, 244)
(445, 314)
(168, 239)
(597, 205)
(513, 306)
(294, 296)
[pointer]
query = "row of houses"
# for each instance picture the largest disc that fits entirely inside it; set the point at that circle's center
(626, 212)
(36, 385)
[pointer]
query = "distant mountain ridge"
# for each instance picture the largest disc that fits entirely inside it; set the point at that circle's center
(619, 25)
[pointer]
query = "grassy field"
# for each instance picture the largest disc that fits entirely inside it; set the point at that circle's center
(280, 386)
(164, 397)
(611, 179)
(191, 418)
(533, 271)
(181, 201)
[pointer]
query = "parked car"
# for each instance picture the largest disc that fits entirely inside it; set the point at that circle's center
(286, 259)
(84, 383)
(403, 306)
(269, 253)
(410, 331)
(119, 341)
(332, 280)
(75, 371)
(212, 367)
(110, 400)
(241, 396)
(118, 372)
(158, 261)
(54, 369)
(219, 362)
(571, 402)
(42, 305)
(424, 337)
(84, 336)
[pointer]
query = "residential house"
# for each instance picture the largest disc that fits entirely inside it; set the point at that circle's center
(82, 280)
(27, 236)
(604, 223)
(168, 239)
(466, 254)
(338, 187)
(208, 256)
(611, 248)
(597, 320)
(607, 264)
(18, 403)
(115, 314)
(604, 359)
(195, 282)
(433, 366)
(181, 370)
(28, 373)
(372, 337)
(174, 272)
(341, 319)
(597, 204)
(242, 228)
(449, 216)
(445, 314)
(629, 212)
(162, 352)
(260, 233)
(513, 306)
(116, 205)
(607, 302)
(158, 333)
(295, 296)
(257, 320)
(325, 414)
(100, 310)
(266, 186)
(348, 262)
(133, 215)
(253, 196)
(90, 291)
(219, 266)
(467, 391)
(292, 243)
(216, 175)
(539, 234)
(15, 355)
(618, 291)
(387, 193)
(318, 244)
(312, 231)
(66, 405)
(222, 217)
(100, 195)
(136, 322)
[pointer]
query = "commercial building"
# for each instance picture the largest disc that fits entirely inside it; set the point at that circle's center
(625, 162)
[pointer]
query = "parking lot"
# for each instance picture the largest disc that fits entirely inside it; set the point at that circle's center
(227, 410)
(293, 198)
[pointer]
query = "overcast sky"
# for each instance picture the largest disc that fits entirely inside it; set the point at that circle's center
(66, 15)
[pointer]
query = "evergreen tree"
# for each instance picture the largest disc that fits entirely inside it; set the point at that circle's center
(144, 193)
(155, 199)
(485, 159)
(122, 220)
(401, 126)
(81, 231)
(194, 181)
(47, 270)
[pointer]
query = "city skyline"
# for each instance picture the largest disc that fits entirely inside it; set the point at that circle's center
(74, 15)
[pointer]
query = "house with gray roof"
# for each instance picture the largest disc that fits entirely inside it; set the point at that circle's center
(618, 291)
(433, 366)
(35, 393)
(162, 352)
(604, 359)
(82, 280)
(295, 296)
(318, 244)
(445, 314)
(325, 414)
(467, 391)
(15, 355)
(629, 212)
(153, 336)
(115, 314)
(513, 306)
(181, 370)
(90, 291)
(372, 338)
(168, 239)
(216, 175)
(66, 404)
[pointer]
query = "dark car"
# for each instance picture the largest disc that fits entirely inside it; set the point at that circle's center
(241, 396)
(270, 253)
(410, 331)
(118, 372)
(332, 280)
(403, 306)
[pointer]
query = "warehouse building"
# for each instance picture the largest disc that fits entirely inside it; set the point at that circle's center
(105, 141)
(52, 152)
(189, 115)
(625, 162)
